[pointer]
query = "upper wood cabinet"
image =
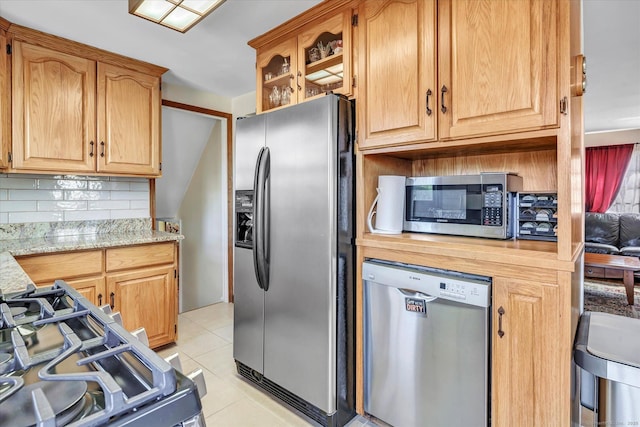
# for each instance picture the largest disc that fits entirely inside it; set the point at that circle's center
(305, 57)
(498, 63)
(54, 116)
(128, 121)
(397, 72)
(496, 69)
(5, 102)
(77, 109)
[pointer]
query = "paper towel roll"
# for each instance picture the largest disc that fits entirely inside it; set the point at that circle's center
(390, 205)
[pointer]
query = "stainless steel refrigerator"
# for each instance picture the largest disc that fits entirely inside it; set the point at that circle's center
(294, 283)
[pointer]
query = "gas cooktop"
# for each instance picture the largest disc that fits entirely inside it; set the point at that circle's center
(65, 362)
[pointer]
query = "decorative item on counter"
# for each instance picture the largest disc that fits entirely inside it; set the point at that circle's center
(314, 54)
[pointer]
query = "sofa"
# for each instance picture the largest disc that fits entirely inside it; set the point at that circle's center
(612, 233)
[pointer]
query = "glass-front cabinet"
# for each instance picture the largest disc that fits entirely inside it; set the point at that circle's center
(324, 57)
(317, 61)
(276, 86)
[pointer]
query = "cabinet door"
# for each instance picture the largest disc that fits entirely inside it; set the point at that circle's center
(128, 121)
(146, 298)
(324, 57)
(53, 110)
(277, 73)
(498, 63)
(5, 103)
(92, 289)
(526, 359)
(396, 72)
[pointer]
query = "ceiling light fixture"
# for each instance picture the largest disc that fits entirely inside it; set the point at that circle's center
(179, 15)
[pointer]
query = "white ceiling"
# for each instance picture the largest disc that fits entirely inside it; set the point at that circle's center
(612, 49)
(214, 55)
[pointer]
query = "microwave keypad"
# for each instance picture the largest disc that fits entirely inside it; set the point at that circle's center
(492, 216)
(492, 210)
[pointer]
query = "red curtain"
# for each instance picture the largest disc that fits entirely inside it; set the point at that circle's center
(605, 167)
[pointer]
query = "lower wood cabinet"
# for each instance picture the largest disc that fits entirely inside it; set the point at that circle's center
(138, 281)
(91, 288)
(146, 298)
(528, 354)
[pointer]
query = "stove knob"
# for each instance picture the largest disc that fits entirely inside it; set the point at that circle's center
(174, 361)
(198, 378)
(106, 308)
(117, 317)
(141, 335)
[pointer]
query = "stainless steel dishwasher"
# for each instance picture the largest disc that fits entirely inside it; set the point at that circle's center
(426, 345)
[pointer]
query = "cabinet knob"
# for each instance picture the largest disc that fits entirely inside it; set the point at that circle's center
(500, 331)
(429, 93)
(99, 300)
(112, 300)
(101, 148)
(91, 149)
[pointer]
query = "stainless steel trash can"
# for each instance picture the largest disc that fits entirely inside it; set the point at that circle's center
(607, 348)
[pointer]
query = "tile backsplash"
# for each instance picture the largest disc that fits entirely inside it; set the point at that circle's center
(49, 198)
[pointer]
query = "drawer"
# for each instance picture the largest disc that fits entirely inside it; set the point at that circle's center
(140, 256)
(610, 273)
(68, 265)
(594, 272)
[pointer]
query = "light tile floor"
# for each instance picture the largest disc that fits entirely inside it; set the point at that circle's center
(205, 340)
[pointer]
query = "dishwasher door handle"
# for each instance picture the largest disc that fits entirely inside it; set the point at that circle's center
(416, 294)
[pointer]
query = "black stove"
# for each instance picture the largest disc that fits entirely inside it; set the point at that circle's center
(65, 362)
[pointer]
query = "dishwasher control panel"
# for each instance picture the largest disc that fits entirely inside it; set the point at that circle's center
(428, 284)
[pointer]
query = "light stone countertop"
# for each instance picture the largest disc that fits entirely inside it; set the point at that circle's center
(14, 279)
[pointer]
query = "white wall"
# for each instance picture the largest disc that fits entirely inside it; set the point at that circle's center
(203, 213)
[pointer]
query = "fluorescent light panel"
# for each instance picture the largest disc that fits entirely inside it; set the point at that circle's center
(179, 15)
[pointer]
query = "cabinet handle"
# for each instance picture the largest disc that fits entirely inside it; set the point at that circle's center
(101, 148)
(99, 300)
(429, 93)
(298, 80)
(444, 90)
(112, 297)
(500, 331)
(91, 149)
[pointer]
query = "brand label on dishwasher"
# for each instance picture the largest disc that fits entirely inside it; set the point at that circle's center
(415, 305)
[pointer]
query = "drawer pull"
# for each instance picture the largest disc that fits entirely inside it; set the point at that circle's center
(101, 148)
(91, 149)
(99, 300)
(429, 93)
(112, 297)
(500, 331)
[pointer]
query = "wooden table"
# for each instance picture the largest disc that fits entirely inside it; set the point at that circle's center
(603, 265)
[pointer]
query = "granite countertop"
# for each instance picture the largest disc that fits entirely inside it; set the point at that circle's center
(32, 239)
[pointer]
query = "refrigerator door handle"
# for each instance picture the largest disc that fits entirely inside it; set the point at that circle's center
(261, 219)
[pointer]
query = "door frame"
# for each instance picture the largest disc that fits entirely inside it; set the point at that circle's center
(152, 182)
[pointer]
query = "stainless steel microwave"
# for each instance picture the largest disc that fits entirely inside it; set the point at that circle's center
(466, 205)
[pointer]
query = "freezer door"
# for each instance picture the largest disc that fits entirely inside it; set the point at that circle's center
(248, 312)
(249, 140)
(300, 304)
